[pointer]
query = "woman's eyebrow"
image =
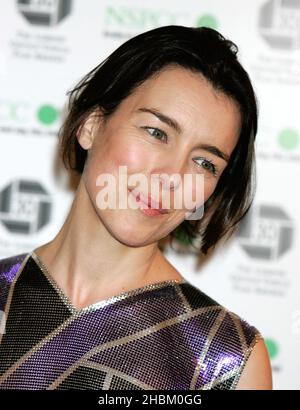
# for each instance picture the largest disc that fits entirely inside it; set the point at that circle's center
(162, 117)
(212, 149)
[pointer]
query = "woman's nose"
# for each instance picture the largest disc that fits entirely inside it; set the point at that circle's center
(172, 175)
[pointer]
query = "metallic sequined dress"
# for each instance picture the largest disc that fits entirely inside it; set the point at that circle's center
(168, 335)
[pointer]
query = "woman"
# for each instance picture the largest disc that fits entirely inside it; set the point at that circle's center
(99, 306)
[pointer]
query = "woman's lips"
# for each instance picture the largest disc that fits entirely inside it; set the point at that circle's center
(149, 202)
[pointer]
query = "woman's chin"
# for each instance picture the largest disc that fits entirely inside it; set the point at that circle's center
(127, 230)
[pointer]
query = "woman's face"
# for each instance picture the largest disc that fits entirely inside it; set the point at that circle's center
(146, 145)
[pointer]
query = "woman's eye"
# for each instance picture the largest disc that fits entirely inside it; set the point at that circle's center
(207, 165)
(158, 134)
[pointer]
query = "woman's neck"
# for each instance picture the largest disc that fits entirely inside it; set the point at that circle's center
(89, 264)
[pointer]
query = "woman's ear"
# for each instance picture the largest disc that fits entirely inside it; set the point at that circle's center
(87, 130)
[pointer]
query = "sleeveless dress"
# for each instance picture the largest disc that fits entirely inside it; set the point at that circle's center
(164, 336)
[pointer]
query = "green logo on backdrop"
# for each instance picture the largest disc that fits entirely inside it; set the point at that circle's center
(289, 138)
(272, 347)
(207, 20)
(142, 18)
(139, 18)
(47, 114)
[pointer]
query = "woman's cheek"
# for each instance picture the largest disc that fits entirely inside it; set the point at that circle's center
(201, 191)
(209, 188)
(135, 158)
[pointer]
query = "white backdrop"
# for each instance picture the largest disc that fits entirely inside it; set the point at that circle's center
(46, 46)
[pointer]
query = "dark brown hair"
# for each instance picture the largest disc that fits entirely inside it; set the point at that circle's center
(201, 50)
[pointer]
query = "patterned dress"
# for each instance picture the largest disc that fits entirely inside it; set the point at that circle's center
(167, 336)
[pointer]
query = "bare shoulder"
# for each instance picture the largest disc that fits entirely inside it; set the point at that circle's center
(257, 373)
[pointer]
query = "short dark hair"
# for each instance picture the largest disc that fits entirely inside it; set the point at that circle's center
(201, 50)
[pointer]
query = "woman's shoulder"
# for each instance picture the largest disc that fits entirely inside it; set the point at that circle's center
(225, 319)
(10, 265)
(13, 258)
(229, 338)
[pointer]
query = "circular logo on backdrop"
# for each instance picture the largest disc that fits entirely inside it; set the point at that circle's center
(289, 138)
(25, 207)
(279, 23)
(47, 114)
(44, 12)
(266, 232)
(273, 347)
(207, 20)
